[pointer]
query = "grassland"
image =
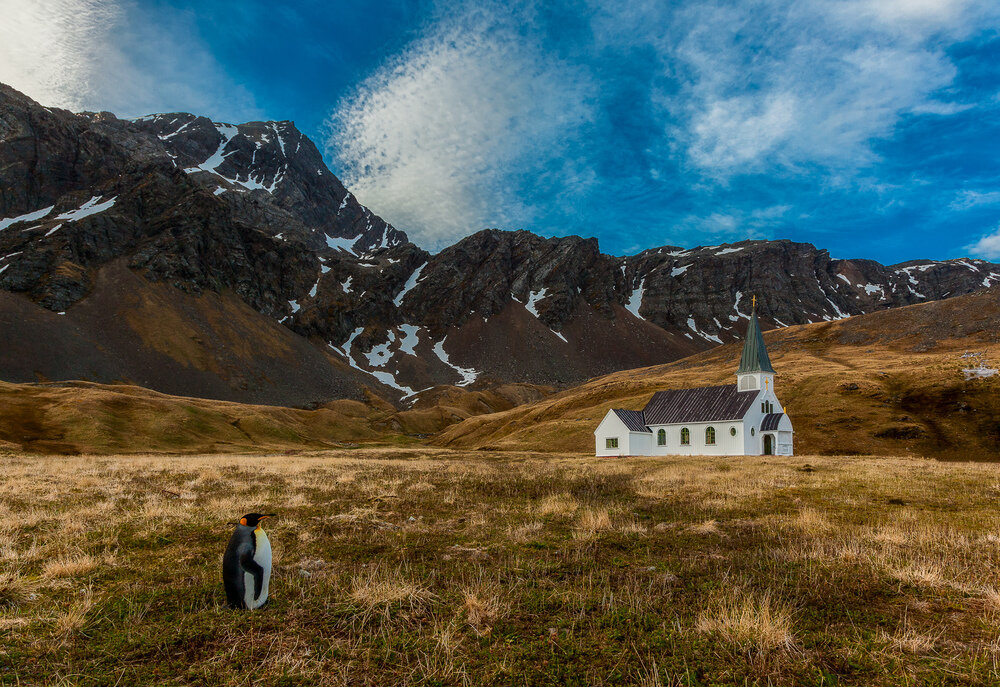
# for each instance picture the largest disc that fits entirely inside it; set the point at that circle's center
(429, 566)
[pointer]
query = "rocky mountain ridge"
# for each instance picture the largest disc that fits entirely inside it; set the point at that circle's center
(251, 209)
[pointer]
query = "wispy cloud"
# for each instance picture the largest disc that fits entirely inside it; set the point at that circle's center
(434, 139)
(114, 55)
(966, 200)
(779, 85)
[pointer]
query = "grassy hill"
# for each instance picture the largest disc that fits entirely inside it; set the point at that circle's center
(83, 417)
(886, 383)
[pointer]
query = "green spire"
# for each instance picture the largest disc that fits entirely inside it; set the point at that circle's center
(754, 358)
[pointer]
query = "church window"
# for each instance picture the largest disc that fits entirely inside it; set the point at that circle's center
(661, 438)
(752, 431)
(685, 436)
(763, 406)
(709, 435)
(611, 442)
(732, 431)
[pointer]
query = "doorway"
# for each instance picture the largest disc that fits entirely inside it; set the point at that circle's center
(768, 445)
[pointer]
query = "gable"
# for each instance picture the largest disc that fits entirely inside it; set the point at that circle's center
(705, 404)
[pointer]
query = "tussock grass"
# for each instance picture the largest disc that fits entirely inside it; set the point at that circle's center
(751, 620)
(382, 587)
(426, 566)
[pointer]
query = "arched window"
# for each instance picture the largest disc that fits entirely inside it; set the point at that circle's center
(685, 436)
(661, 438)
(709, 435)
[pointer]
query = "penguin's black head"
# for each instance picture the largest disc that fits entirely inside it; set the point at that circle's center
(254, 519)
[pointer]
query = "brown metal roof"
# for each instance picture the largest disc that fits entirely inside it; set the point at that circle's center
(770, 422)
(707, 404)
(633, 419)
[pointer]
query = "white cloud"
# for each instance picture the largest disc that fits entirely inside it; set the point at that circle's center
(113, 55)
(988, 247)
(432, 139)
(788, 85)
(972, 199)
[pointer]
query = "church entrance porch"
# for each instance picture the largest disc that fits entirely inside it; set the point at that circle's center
(768, 444)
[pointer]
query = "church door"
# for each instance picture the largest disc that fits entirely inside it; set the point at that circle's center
(768, 445)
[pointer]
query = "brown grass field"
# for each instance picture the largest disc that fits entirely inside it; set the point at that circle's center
(440, 567)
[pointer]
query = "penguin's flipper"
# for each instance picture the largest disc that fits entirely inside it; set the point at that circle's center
(252, 567)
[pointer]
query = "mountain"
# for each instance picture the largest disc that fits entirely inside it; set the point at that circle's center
(226, 261)
(921, 380)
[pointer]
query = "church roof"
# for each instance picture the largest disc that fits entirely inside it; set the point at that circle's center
(633, 419)
(754, 358)
(706, 404)
(770, 422)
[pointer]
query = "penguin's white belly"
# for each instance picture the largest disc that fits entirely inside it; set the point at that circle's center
(262, 557)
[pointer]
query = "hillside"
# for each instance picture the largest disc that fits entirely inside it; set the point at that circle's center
(226, 261)
(88, 418)
(886, 383)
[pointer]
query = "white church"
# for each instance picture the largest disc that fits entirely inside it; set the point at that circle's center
(742, 419)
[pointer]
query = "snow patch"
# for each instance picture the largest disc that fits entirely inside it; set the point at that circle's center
(981, 372)
(408, 344)
(533, 298)
(346, 286)
(468, 374)
(343, 244)
(218, 191)
(840, 314)
(31, 216)
(846, 280)
(725, 251)
(409, 285)
(227, 131)
(294, 305)
(736, 307)
(635, 300)
(677, 271)
(873, 288)
(379, 355)
(91, 207)
(694, 327)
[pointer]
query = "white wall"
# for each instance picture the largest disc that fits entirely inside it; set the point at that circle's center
(629, 443)
(725, 443)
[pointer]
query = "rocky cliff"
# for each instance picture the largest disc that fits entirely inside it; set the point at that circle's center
(103, 219)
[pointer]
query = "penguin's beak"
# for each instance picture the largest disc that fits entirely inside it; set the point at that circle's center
(269, 515)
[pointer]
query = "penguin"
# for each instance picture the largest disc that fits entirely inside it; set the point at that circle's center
(246, 565)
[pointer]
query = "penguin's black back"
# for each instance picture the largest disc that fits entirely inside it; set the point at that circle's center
(243, 543)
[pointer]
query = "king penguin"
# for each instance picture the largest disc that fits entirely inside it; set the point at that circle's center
(246, 566)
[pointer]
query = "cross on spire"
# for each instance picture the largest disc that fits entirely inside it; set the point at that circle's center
(754, 302)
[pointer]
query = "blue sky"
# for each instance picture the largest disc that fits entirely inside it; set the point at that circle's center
(867, 127)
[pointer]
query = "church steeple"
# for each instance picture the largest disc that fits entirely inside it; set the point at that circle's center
(754, 358)
(755, 371)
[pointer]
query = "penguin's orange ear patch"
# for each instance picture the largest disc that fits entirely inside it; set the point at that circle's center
(243, 521)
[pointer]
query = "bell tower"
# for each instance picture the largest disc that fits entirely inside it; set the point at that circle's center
(755, 371)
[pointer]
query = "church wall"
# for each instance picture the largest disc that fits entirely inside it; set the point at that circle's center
(725, 443)
(629, 443)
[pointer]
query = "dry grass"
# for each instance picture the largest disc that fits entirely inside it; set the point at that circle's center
(425, 566)
(70, 566)
(750, 620)
(382, 587)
